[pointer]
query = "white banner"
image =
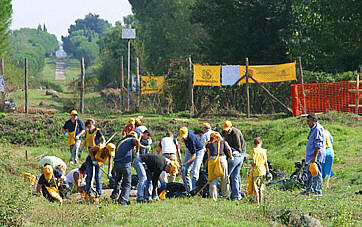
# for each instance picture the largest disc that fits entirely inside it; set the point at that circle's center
(2, 83)
(230, 74)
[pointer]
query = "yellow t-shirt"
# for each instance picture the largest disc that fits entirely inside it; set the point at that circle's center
(258, 156)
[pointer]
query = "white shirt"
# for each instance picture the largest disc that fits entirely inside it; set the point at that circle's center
(206, 136)
(70, 178)
(168, 146)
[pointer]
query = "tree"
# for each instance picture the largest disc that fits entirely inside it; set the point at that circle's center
(5, 21)
(83, 37)
(328, 34)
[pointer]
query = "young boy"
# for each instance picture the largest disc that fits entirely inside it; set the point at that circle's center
(260, 169)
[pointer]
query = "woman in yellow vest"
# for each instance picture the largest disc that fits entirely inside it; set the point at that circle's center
(74, 130)
(94, 136)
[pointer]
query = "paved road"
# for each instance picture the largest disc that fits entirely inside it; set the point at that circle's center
(60, 70)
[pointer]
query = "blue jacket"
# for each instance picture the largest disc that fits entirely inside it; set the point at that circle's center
(193, 143)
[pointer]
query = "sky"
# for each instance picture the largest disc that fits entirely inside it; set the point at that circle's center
(59, 15)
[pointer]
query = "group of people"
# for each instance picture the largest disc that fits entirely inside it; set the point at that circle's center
(221, 154)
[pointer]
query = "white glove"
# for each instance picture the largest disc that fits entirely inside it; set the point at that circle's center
(66, 134)
(77, 137)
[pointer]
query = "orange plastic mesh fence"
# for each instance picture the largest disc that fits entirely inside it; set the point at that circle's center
(323, 97)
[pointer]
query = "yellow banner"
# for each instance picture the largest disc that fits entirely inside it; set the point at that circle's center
(270, 73)
(152, 84)
(206, 75)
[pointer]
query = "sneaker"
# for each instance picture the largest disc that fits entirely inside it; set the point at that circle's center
(305, 193)
(76, 161)
(71, 162)
(317, 194)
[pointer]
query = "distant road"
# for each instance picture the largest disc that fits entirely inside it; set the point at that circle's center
(60, 69)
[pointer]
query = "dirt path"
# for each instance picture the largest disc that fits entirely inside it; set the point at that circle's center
(60, 70)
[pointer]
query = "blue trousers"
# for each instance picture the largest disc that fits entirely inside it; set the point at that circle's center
(98, 176)
(123, 178)
(314, 184)
(234, 167)
(145, 187)
(195, 166)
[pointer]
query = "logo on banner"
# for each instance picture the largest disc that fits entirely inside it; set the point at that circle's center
(206, 74)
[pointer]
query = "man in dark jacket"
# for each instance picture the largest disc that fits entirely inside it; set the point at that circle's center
(237, 144)
(149, 168)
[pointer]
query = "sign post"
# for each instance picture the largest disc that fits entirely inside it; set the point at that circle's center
(128, 34)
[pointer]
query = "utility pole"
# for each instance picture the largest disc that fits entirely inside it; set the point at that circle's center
(247, 86)
(129, 34)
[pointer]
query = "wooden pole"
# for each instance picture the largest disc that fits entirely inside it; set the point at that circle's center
(357, 91)
(82, 72)
(271, 95)
(138, 83)
(2, 73)
(247, 86)
(302, 82)
(26, 84)
(192, 107)
(26, 155)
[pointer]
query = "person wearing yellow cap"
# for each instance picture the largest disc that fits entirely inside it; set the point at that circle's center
(98, 155)
(50, 177)
(236, 141)
(206, 130)
(129, 127)
(74, 129)
(149, 168)
(193, 159)
(315, 154)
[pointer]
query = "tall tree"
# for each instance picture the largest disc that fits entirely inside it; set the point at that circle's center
(83, 37)
(5, 21)
(241, 28)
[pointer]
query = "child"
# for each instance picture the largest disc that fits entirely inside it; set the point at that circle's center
(259, 170)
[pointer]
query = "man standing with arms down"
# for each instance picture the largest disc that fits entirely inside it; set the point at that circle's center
(74, 129)
(315, 153)
(236, 141)
(194, 155)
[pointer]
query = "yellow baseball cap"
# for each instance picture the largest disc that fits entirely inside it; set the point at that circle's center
(205, 125)
(138, 120)
(48, 172)
(183, 132)
(74, 112)
(227, 125)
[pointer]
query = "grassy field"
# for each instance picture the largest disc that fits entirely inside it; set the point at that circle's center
(285, 140)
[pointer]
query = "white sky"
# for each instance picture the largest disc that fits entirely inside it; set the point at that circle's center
(59, 15)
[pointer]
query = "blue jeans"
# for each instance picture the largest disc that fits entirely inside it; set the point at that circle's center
(98, 176)
(234, 167)
(195, 167)
(314, 184)
(145, 187)
(123, 178)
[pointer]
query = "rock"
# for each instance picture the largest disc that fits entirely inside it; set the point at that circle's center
(51, 92)
(304, 220)
(41, 104)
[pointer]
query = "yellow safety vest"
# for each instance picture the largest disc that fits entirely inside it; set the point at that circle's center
(71, 137)
(90, 138)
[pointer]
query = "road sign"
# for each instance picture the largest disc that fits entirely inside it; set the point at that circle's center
(128, 33)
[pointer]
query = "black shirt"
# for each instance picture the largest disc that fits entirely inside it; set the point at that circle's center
(235, 139)
(155, 164)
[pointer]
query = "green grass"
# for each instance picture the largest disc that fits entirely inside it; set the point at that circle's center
(285, 140)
